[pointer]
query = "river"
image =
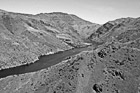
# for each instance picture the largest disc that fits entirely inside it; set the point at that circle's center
(44, 61)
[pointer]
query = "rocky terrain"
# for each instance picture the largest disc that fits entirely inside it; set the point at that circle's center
(25, 37)
(112, 66)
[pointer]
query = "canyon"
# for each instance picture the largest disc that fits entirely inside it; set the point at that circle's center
(62, 53)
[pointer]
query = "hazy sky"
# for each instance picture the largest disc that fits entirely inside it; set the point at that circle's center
(97, 11)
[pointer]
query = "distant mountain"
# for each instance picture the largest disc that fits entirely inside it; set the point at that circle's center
(122, 30)
(69, 24)
(24, 37)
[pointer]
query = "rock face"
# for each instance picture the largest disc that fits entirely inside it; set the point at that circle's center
(112, 67)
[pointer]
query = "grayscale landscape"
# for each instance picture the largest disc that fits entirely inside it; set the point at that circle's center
(60, 52)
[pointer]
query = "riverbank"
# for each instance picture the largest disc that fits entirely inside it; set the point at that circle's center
(44, 61)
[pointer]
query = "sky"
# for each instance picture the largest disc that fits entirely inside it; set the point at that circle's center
(96, 11)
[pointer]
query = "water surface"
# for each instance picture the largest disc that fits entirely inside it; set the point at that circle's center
(44, 61)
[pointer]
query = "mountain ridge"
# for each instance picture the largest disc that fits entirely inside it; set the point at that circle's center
(41, 34)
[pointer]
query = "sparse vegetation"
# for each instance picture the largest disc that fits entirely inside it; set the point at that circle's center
(112, 67)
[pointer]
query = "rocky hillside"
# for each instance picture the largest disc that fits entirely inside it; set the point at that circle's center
(24, 37)
(113, 66)
(69, 25)
(122, 30)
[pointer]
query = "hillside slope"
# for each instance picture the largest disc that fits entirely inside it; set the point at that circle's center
(113, 66)
(122, 30)
(24, 37)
